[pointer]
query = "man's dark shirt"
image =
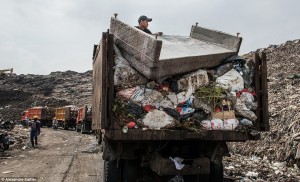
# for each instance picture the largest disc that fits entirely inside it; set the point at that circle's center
(146, 30)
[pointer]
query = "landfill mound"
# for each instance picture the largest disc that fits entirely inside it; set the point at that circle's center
(20, 92)
(278, 147)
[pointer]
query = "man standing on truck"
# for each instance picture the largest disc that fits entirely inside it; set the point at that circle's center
(35, 128)
(143, 25)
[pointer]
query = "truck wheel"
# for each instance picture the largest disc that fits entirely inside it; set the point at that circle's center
(216, 172)
(112, 171)
(130, 170)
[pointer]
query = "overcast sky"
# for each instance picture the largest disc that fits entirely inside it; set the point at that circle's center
(42, 36)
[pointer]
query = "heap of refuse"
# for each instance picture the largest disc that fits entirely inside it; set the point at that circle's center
(282, 142)
(218, 98)
(19, 136)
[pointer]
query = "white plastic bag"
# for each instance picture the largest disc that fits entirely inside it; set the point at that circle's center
(231, 80)
(193, 80)
(242, 110)
(230, 124)
(217, 124)
(206, 124)
(142, 96)
(157, 119)
(248, 100)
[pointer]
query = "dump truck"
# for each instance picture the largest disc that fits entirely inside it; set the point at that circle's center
(84, 119)
(66, 116)
(133, 151)
(45, 115)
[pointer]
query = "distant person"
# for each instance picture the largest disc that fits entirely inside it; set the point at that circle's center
(144, 23)
(35, 129)
(54, 123)
(25, 122)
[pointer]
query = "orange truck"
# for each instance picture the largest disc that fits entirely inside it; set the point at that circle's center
(84, 119)
(66, 116)
(45, 115)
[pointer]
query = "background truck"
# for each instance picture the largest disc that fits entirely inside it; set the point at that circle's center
(136, 154)
(45, 115)
(84, 119)
(66, 116)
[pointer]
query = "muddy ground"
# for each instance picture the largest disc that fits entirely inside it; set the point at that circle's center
(61, 155)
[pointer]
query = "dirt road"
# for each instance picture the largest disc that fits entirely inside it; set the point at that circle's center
(61, 155)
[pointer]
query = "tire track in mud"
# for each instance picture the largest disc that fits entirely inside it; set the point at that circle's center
(75, 154)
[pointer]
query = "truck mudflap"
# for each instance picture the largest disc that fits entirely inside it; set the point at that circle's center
(163, 166)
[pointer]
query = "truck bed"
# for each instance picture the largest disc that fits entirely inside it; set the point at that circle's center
(165, 55)
(103, 98)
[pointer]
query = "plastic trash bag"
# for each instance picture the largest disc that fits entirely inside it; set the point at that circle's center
(230, 124)
(173, 98)
(206, 124)
(184, 96)
(142, 96)
(178, 162)
(186, 110)
(199, 115)
(157, 119)
(134, 109)
(193, 80)
(246, 122)
(221, 70)
(231, 80)
(248, 100)
(242, 110)
(217, 124)
(176, 115)
(198, 103)
(248, 71)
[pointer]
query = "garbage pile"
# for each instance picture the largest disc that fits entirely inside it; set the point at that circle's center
(20, 92)
(19, 137)
(222, 98)
(281, 144)
(253, 168)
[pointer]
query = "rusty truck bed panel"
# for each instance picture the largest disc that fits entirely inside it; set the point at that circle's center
(217, 135)
(164, 56)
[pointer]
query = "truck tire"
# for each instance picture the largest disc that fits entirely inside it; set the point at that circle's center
(112, 171)
(130, 170)
(216, 172)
